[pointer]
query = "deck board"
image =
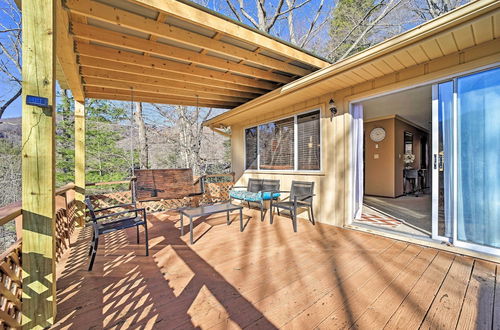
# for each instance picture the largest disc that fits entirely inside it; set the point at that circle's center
(269, 277)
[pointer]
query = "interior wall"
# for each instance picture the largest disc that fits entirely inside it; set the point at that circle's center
(379, 159)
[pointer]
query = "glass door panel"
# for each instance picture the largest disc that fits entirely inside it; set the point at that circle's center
(478, 158)
(442, 217)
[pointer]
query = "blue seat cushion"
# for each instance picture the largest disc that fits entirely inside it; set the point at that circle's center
(252, 196)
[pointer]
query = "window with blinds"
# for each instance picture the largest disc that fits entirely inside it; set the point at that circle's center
(276, 145)
(251, 148)
(308, 141)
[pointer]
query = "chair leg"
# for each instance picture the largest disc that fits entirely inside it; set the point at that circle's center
(92, 243)
(294, 219)
(271, 215)
(94, 252)
(312, 216)
(137, 227)
(146, 237)
(262, 211)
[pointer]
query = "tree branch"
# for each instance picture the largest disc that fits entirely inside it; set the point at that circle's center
(9, 101)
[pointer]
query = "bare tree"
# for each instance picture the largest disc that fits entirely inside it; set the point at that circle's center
(429, 9)
(265, 16)
(143, 138)
(184, 131)
(10, 51)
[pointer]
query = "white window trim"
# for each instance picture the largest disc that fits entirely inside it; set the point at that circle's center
(295, 145)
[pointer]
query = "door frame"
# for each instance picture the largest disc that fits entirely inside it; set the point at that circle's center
(433, 82)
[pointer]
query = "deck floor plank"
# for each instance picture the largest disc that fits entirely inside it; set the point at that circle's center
(477, 310)
(267, 277)
(381, 310)
(445, 309)
(412, 310)
(355, 305)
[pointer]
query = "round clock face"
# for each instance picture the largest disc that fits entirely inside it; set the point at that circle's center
(377, 134)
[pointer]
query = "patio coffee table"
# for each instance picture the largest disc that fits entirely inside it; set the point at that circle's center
(208, 210)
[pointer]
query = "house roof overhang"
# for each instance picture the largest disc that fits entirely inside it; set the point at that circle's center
(169, 51)
(467, 26)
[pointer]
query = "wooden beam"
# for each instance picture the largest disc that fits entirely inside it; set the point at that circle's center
(38, 164)
(97, 63)
(112, 15)
(66, 55)
(160, 100)
(168, 93)
(132, 79)
(122, 56)
(200, 17)
(108, 37)
(80, 161)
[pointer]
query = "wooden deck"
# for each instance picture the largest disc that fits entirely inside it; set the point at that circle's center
(269, 277)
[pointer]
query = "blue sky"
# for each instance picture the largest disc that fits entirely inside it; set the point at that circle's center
(8, 88)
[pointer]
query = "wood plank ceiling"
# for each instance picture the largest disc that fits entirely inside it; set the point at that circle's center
(133, 50)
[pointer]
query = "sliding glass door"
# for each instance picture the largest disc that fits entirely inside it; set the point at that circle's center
(466, 156)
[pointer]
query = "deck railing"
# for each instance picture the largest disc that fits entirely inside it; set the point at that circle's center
(11, 258)
(216, 188)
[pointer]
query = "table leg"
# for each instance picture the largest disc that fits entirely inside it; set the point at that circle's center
(228, 218)
(241, 219)
(191, 230)
(182, 225)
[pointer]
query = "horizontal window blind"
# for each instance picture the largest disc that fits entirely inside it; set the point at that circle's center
(276, 144)
(308, 141)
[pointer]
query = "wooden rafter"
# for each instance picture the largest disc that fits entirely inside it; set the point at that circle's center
(92, 33)
(66, 56)
(99, 63)
(90, 8)
(122, 56)
(204, 98)
(225, 26)
(165, 91)
(160, 100)
(159, 82)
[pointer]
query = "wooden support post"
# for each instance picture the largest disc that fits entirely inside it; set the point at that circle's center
(38, 165)
(80, 161)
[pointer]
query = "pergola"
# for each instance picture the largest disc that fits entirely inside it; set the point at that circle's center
(155, 51)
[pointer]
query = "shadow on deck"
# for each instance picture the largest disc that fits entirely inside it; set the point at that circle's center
(269, 277)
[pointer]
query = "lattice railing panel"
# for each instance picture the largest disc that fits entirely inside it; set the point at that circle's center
(10, 287)
(217, 191)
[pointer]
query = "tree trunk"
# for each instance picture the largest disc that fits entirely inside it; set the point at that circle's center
(143, 139)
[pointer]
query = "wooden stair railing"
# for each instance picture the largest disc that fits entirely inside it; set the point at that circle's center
(10, 259)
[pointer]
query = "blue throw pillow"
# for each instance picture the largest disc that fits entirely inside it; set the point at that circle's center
(267, 195)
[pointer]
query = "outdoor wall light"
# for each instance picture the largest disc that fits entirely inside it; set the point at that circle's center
(332, 108)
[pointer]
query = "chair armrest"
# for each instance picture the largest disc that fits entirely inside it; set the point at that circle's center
(143, 210)
(239, 187)
(114, 207)
(195, 194)
(300, 199)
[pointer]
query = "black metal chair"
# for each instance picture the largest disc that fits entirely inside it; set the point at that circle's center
(300, 195)
(257, 191)
(132, 217)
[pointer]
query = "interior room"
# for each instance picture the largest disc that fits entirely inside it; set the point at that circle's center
(396, 161)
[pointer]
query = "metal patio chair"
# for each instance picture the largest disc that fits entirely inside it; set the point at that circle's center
(129, 218)
(300, 195)
(257, 191)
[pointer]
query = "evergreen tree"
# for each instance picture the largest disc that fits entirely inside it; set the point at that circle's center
(106, 140)
(348, 17)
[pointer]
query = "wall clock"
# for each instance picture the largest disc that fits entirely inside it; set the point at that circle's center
(377, 134)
